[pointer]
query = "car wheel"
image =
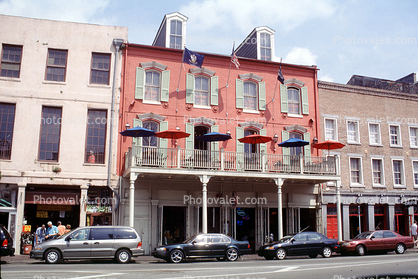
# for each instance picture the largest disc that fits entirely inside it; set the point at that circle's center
(232, 254)
(176, 256)
(268, 258)
(281, 254)
(400, 248)
(360, 250)
(52, 256)
(123, 256)
(326, 252)
(313, 256)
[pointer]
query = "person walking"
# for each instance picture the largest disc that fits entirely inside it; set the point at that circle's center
(40, 234)
(414, 233)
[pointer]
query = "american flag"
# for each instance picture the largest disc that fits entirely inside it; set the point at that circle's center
(234, 60)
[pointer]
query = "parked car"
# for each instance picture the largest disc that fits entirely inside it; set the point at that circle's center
(97, 242)
(212, 245)
(382, 240)
(6, 242)
(303, 243)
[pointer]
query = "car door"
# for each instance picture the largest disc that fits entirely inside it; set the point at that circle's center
(376, 241)
(77, 244)
(199, 247)
(297, 246)
(219, 244)
(389, 240)
(314, 243)
(102, 242)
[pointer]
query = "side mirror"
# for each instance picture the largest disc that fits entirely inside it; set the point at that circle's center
(194, 242)
(292, 240)
(68, 238)
(371, 238)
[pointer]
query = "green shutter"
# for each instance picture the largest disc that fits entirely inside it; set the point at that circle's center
(137, 140)
(263, 146)
(163, 127)
(215, 144)
(165, 86)
(240, 148)
(190, 139)
(239, 92)
(307, 137)
(189, 89)
(283, 98)
(214, 91)
(139, 83)
(305, 100)
(262, 95)
(285, 150)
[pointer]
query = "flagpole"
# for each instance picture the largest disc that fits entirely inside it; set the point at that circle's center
(227, 81)
(181, 66)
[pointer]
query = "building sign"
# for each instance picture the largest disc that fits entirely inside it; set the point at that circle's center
(53, 207)
(41, 214)
(27, 228)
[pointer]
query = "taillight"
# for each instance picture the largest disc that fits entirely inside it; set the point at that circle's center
(248, 246)
(5, 243)
(139, 245)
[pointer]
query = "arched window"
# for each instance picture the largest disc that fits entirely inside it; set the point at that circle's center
(152, 140)
(295, 151)
(250, 95)
(293, 98)
(201, 94)
(152, 86)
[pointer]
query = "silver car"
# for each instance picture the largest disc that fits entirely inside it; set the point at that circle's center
(96, 242)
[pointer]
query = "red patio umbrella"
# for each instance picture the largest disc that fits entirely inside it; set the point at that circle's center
(254, 139)
(329, 144)
(172, 134)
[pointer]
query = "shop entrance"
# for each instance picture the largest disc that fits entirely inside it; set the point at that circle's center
(308, 219)
(174, 224)
(245, 224)
(380, 219)
(357, 220)
(401, 219)
(214, 221)
(332, 224)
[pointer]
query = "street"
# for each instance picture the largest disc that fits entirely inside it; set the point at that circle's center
(248, 267)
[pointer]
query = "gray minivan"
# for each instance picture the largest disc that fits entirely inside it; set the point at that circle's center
(95, 242)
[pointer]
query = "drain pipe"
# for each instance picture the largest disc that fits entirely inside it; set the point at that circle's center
(117, 43)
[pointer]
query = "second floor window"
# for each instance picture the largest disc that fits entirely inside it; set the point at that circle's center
(330, 129)
(374, 133)
(7, 117)
(415, 168)
(50, 134)
(377, 165)
(96, 136)
(100, 68)
(175, 34)
(201, 93)
(397, 172)
(413, 136)
(56, 65)
(10, 61)
(153, 140)
(265, 46)
(394, 134)
(355, 170)
(353, 132)
(152, 86)
(293, 99)
(250, 96)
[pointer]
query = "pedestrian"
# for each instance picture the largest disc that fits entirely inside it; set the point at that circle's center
(61, 228)
(51, 231)
(414, 233)
(67, 228)
(40, 234)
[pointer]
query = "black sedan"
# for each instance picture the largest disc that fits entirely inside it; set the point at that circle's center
(304, 243)
(212, 245)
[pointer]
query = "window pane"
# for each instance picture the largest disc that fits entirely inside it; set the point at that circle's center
(56, 64)
(250, 96)
(152, 86)
(413, 137)
(352, 131)
(7, 116)
(394, 133)
(416, 173)
(355, 170)
(10, 61)
(397, 172)
(330, 129)
(96, 137)
(377, 171)
(374, 134)
(202, 91)
(50, 134)
(100, 68)
(152, 140)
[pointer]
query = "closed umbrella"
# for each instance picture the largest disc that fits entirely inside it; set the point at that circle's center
(214, 136)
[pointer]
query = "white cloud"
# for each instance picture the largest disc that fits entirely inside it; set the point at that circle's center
(75, 10)
(301, 56)
(326, 78)
(245, 15)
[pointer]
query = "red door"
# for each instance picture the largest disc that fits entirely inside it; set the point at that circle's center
(332, 227)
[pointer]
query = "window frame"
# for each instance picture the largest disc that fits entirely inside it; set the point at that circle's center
(379, 137)
(247, 96)
(100, 70)
(175, 35)
(335, 133)
(11, 63)
(9, 152)
(382, 172)
(415, 173)
(402, 173)
(289, 102)
(410, 137)
(150, 101)
(263, 47)
(144, 123)
(360, 182)
(40, 135)
(55, 66)
(86, 151)
(399, 138)
(357, 131)
(199, 90)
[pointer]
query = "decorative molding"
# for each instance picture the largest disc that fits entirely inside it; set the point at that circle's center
(153, 64)
(202, 120)
(253, 124)
(189, 107)
(294, 81)
(215, 109)
(202, 70)
(150, 116)
(251, 76)
(296, 127)
(239, 111)
(165, 105)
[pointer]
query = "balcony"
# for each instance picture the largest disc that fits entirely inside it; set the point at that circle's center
(177, 158)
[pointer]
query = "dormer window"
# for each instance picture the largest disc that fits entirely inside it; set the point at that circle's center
(175, 34)
(265, 46)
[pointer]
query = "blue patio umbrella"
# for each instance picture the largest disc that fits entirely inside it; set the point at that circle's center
(137, 132)
(214, 136)
(294, 142)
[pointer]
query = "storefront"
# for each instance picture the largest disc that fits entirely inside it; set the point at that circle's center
(8, 210)
(99, 206)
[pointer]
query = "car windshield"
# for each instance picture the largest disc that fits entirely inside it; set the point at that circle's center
(363, 235)
(285, 239)
(190, 239)
(64, 235)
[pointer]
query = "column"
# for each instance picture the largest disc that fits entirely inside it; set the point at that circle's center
(279, 183)
(20, 214)
(339, 219)
(83, 203)
(391, 216)
(370, 217)
(204, 179)
(156, 230)
(131, 201)
(346, 221)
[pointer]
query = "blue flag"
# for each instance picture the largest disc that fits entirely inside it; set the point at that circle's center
(280, 76)
(193, 58)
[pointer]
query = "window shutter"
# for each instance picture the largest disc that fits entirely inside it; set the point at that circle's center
(283, 98)
(240, 148)
(263, 146)
(137, 140)
(239, 92)
(163, 127)
(139, 83)
(307, 137)
(285, 150)
(165, 86)
(214, 91)
(262, 95)
(189, 89)
(215, 144)
(305, 100)
(190, 139)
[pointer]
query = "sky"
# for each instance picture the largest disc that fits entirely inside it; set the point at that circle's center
(342, 38)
